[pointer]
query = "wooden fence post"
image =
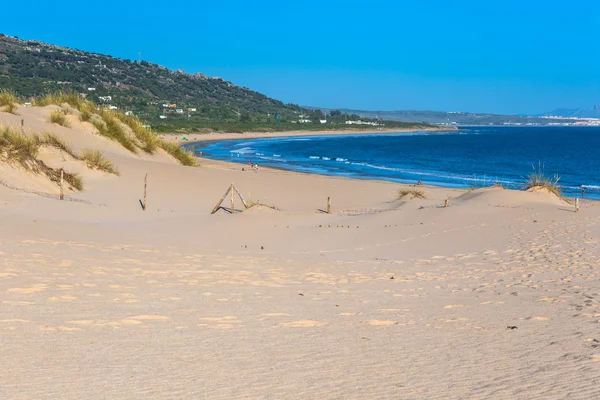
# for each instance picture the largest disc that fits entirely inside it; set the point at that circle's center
(576, 205)
(145, 187)
(328, 205)
(62, 194)
(446, 203)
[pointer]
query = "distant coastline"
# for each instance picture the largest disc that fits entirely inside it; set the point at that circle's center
(191, 138)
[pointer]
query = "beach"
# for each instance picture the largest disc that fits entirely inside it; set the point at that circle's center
(496, 295)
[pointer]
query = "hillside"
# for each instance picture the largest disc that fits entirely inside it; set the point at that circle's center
(31, 68)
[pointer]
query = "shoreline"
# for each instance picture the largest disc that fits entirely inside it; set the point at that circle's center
(218, 137)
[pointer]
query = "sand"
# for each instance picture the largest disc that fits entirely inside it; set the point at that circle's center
(496, 296)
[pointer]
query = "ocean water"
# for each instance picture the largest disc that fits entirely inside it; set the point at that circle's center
(470, 157)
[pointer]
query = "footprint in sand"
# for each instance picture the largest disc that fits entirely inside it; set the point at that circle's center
(378, 322)
(305, 323)
(149, 318)
(30, 289)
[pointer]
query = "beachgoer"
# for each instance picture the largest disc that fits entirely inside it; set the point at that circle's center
(419, 183)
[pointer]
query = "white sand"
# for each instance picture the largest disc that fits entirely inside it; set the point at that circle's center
(103, 300)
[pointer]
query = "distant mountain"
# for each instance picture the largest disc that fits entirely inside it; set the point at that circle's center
(594, 112)
(446, 118)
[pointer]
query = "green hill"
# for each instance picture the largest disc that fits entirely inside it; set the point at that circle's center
(31, 68)
(167, 100)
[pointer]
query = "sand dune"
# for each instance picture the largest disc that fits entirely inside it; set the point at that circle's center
(495, 296)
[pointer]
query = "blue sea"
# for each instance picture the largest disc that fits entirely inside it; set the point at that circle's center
(469, 157)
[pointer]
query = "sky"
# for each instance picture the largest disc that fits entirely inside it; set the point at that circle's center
(510, 57)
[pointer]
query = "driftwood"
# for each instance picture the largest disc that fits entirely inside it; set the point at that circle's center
(231, 190)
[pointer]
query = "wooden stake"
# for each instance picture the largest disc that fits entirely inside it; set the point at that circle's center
(62, 195)
(145, 186)
(328, 205)
(232, 193)
(576, 205)
(221, 201)
(241, 198)
(446, 203)
(22, 126)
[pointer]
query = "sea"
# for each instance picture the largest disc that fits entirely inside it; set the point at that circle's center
(469, 157)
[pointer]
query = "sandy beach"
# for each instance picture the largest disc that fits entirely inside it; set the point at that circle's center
(496, 296)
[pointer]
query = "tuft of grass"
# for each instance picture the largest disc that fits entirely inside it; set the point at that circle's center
(73, 179)
(17, 146)
(94, 159)
(60, 98)
(411, 193)
(111, 127)
(23, 149)
(183, 156)
(49, 139)
(85, 115)
(59, 117)
(148, 140)
(8, 100)
(539, 179)
(7, 97)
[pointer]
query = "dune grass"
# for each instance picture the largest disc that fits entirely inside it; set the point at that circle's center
(16, 146)
(49, 139)
(411, 193)
(183, 156)
(94, 159)
(23, 149)
(60, 98)
(112, 124)
(109, 125)
(539, 179)
(8, 101)
(148, 141)
(59, 117)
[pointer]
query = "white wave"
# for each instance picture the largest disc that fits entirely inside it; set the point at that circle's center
(276, 155)
(244, 150)
(314, 157)
(325, 158)
(341, 159)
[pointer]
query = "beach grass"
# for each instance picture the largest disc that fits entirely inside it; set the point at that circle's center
(538, 179)
(94, 159)
(49, 139)
(16, 146)
(112, 128)
(148, 141)
(411, 193)
(8, 101)
(59, 117)
(183, 156)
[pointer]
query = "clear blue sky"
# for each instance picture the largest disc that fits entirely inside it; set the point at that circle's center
(507, 56)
